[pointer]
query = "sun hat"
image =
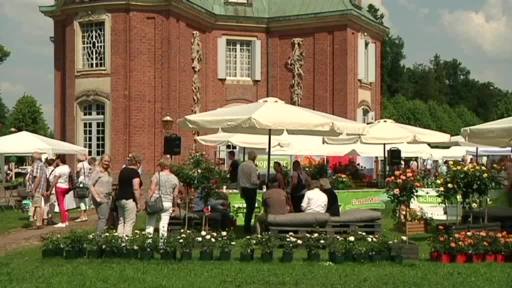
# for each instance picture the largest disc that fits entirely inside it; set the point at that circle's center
(324, 183)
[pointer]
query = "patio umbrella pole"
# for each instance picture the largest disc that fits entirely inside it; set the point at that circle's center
(268, 155)
(384, 168)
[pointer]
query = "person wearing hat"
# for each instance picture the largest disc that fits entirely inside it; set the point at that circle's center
(333, 206)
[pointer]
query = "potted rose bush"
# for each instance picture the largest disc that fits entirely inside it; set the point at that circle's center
(186, 243)
(168, 248)
(289, 243)
(338, 248)
(247, 246)
(53, 246)
(225, 243)
(267, 243)
(313, 244)
(206, 242)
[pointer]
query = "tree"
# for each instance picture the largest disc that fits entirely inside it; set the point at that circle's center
(4, 53)
(4, 112)
(393, 69)
(27, 115)
(503, 107)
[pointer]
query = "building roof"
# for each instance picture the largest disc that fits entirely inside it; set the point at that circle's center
(254, 9)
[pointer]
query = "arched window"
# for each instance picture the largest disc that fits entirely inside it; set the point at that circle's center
(92, 125)
(363, 114)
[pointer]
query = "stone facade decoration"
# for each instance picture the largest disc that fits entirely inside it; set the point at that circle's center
(295, 64)
(197, 59)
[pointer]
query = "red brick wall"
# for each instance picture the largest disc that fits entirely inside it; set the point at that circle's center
(151, 75)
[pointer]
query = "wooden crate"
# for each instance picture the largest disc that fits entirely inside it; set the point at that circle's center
(413, 228)
(408, 251)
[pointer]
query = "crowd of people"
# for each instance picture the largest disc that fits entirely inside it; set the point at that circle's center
(281, 197)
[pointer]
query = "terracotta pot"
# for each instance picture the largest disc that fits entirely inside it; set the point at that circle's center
(461, 258)
(435, 256)
(478, 258)
(446, 258)
(500, 258)
(490, 258)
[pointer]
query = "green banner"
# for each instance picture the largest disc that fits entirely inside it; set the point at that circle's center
(362, 199)
(261, 162)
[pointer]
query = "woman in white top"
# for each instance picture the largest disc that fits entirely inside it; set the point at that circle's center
(165, 184)
(60, 180)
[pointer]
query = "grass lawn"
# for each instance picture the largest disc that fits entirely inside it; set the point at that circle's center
(28, 269)
(11, 220)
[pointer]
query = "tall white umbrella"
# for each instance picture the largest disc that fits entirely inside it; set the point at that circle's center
(495, 133)
(25, 143)
(272, 116)
(386, 131)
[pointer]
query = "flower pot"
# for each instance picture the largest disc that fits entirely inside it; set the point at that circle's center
(225, 255)
(336, 258)
(71, 254)
(94, 253)
(500, 258)
(478, 258)
(376, 258)
(287, 257)
(186, 255)
(435, 256)
(267, 256)
(146, 255)
(314, 256)
(446, 258)
(490, 258)
(206, 255)
(461, 258)
(247, 256)
(168, 255)
(52, 252)
(131, 254)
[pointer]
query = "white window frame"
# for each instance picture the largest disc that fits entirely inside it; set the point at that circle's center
(361, 117)
(366, 59)
(81, 119)
(83, 18)
(238, 58)
(238, 1)
(255, 68)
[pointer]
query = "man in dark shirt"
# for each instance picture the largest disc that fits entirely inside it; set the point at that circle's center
(233, 167)
(333, 206)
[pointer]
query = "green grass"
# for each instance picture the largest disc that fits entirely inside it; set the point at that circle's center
(11, 220)
(28, 269)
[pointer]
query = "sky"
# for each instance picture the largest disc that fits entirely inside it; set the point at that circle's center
(477, 32)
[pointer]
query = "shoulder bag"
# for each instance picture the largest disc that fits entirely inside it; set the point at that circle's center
(156, 205)
(81, 190)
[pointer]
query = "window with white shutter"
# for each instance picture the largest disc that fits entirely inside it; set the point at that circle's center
(366, 60)
(239, 58)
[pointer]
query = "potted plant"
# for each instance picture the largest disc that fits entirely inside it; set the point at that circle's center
(93, 248)
(225, 243)
(247, 246)
(267, 243)
(499, 247)
(313, 243)
(401, 189)
(289, 244)
(168, 248)
(461, 251)
(186, 243)
(53, 246)
(378, 248)
(75, 245)
(206, 243)
(112, 245)
(147, 244)
(337, 247)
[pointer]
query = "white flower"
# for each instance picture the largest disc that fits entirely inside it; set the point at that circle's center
(199, 239)
(322, 241)
(183, 236)
(469, 234)
(474, 205)
(214, 234)
(223, 233)
(315, 235)
(404, 238)
(203, 233)
(299, 242)
(181, 241)
(233, 243)
(207, 237)
(450, 185)
(369, 239)
(213, 240)
(351, 239)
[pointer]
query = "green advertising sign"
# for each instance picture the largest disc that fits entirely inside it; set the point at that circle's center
(373, 199)
(261, 162)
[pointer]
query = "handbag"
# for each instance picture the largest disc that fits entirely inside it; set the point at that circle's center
(155, 205)
(81, 190)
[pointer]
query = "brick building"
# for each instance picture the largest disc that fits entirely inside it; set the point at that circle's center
(120, 66)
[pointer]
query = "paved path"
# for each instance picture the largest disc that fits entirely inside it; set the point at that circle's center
(23, 238)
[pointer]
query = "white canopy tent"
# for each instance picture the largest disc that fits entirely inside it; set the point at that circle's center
(495, 133)
(272, 116)
(26, 143)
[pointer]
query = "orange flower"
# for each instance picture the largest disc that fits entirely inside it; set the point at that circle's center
(453, 245)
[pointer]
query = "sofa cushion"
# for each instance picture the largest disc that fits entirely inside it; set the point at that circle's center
(298, 220)
(357, 215)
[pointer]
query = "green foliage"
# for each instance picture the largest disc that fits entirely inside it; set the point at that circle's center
(4, 54)
(375, 13)
(4, 113)
(27, 115)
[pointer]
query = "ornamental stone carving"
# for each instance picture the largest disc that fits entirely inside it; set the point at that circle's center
(197, 59)
(295, 65)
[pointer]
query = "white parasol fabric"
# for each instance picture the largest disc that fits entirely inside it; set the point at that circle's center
(25, 143)
(386, 131)
(495, 133)
(272, 114)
